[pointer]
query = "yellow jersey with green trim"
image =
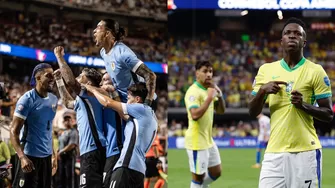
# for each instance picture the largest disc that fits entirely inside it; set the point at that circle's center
(292, 130)
(199, 133)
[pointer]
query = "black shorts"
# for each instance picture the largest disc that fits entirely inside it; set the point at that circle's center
(151, 164)
(91, 168)
(127, 178)
(110, 163)
(40, 177)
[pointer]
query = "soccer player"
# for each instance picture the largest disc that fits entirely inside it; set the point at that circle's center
(203, 154)
(34, 112)
(115, 131)
(92, 141)
(292, 85)
(263, 137)
(121, 63)
(140, 132)
(89, 112)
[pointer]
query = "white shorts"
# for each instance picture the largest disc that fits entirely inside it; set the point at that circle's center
(291, 170)
(201, 160)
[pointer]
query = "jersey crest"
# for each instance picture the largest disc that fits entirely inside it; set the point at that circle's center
(113, 66)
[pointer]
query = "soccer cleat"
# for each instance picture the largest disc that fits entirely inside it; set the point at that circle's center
(256, 166)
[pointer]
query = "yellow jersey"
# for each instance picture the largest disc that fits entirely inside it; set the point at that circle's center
(292, 130)
(199, 133)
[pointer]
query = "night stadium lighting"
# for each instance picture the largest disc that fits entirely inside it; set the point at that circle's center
(245, 12)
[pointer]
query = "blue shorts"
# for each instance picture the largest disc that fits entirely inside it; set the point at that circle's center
(262, 144)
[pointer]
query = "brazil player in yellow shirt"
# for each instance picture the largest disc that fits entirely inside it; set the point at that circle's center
(203, 154)
(292, 85)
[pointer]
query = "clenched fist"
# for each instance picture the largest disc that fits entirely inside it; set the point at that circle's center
(59, 51)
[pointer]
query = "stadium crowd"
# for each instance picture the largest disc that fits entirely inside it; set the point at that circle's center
(143, 7)
(236, 62)
(36, 31)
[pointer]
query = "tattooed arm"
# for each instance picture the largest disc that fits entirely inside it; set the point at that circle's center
(65, 95)
(66, 71)
(150, 80)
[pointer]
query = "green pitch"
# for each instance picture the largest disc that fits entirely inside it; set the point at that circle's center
(236, 169)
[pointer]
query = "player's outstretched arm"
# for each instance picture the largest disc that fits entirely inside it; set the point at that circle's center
(67, 73)
(150, 80)
(323, 113)
(67, 99)
(105, 100)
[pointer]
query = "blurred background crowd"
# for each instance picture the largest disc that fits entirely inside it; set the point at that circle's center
(237, 45)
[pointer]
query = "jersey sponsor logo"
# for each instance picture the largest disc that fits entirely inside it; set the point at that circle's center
(113, 66)
(191, 98)
(326, 80)
(20, 107)
(21, 183)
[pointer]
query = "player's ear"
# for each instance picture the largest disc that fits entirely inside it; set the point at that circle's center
(305, 41)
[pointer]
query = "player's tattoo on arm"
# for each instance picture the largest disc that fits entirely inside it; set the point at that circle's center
(67, 99)
(150, 79)
(68, 76)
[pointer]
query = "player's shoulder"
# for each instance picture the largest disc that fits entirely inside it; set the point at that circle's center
(313, 66)
(53, 96)
(191, 89)
(270, 65)
(29, 95)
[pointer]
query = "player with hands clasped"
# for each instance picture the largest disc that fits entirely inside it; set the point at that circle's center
(292, 86)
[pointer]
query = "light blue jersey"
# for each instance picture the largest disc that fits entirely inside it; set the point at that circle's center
(38, 113)
(86, 140)
(120, 62)
(114, 134)
(139, 133)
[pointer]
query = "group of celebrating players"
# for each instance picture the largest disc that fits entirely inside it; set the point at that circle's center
(115, 115)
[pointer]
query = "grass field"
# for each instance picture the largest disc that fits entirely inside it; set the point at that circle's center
(237, 171)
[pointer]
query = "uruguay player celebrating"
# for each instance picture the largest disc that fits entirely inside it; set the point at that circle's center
(139, 133)
(121, 63)
(35, 111)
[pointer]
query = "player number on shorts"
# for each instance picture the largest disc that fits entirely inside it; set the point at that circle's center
(103, 176)
(310, 182)
(83, 179)
(112, 185)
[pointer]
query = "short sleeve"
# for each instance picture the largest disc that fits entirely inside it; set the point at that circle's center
(192, 100)
(135, 110)
(73, 137)
(258, 81)
(321, 84)
(22, 108)
(130, 60)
